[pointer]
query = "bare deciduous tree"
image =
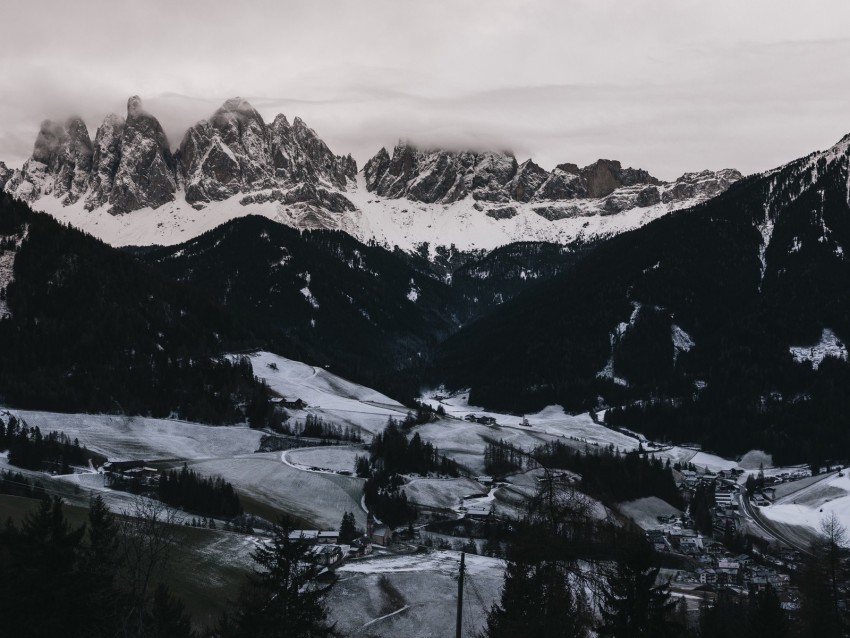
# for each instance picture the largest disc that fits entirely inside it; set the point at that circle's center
(146, 540)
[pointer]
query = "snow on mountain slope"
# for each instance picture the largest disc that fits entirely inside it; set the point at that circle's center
(133, 437)
(389, 222)
(327, 395)
(828, 346)
(135, 191)
(812, 504)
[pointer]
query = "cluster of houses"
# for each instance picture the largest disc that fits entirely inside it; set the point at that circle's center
(290, 403)
(714, 566)
(325, 548)
(718, 567)
(483, 420)
(117, 473)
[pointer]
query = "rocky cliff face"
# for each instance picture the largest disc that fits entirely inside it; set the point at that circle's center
(130, 165)
(437, 176)
(105, 160)
(60, 163)
(282, 169)
(5, 175)
(236, 152)
(440, 176)
(145, 174)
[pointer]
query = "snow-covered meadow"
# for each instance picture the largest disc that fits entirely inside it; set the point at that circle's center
(414, 595)
(817, 499)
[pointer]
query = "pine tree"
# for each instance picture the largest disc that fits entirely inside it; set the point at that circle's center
(168, 616)
(766, 619)
(634, 605)
(348, 528)
(824, 572)
(98, 566)
(539, 601)
(282, 598)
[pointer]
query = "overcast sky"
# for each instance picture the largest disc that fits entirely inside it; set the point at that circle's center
(666, 85)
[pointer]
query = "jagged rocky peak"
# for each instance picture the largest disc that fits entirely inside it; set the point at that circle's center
(375, 168)
(60, 163)
(72, 179)
(105, 160)
(440, 176)
(48, 143)
(603, 177)
(319, 164)
(704, 184)
(5, 175)
(145, 173)
(528, 179)
(235, 151)
(227, 154)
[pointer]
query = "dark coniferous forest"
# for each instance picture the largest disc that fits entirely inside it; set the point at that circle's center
(89, 329)
(707, 272)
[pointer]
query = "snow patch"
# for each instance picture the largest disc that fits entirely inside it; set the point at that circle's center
(682, 341)
(828, 346)
(413, 292)
(309, 296)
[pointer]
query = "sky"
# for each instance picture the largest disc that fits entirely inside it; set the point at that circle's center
(666, 85)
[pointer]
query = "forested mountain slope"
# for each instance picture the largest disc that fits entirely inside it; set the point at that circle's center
(726, 322)
(86, 328)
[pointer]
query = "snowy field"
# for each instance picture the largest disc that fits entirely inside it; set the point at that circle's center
(320, 498)
(287, 481)
(466, 441)
(331, 458)
(442, 493)
(134, 437)
(645, 511)
(814, 502)
(335, 399)
(413, 595)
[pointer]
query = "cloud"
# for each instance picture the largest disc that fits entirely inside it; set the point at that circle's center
(665, 85)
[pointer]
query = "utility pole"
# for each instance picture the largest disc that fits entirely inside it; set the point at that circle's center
(460, 596)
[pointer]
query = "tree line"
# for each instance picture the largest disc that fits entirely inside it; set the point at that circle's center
(606, 473)
(391, 455)
(188, 490)
(30, 449)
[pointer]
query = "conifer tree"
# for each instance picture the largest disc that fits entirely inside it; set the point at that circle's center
(348, 528)
(634, 604)
(281, 599)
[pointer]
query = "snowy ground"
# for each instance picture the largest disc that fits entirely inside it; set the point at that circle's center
(318, 497)
(816, 500)
(326, 458)
(124, 438)
(466, 441)
(413, 595)
(442, 493)
(828, 346)
(391, 222)
(335, 399)
(645, 511)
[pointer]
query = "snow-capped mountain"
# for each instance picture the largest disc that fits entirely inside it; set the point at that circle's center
(130, 166)
(445, 177)
(128, 187)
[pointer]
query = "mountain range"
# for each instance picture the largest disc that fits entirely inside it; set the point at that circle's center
(724, 323)
(234, 164)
